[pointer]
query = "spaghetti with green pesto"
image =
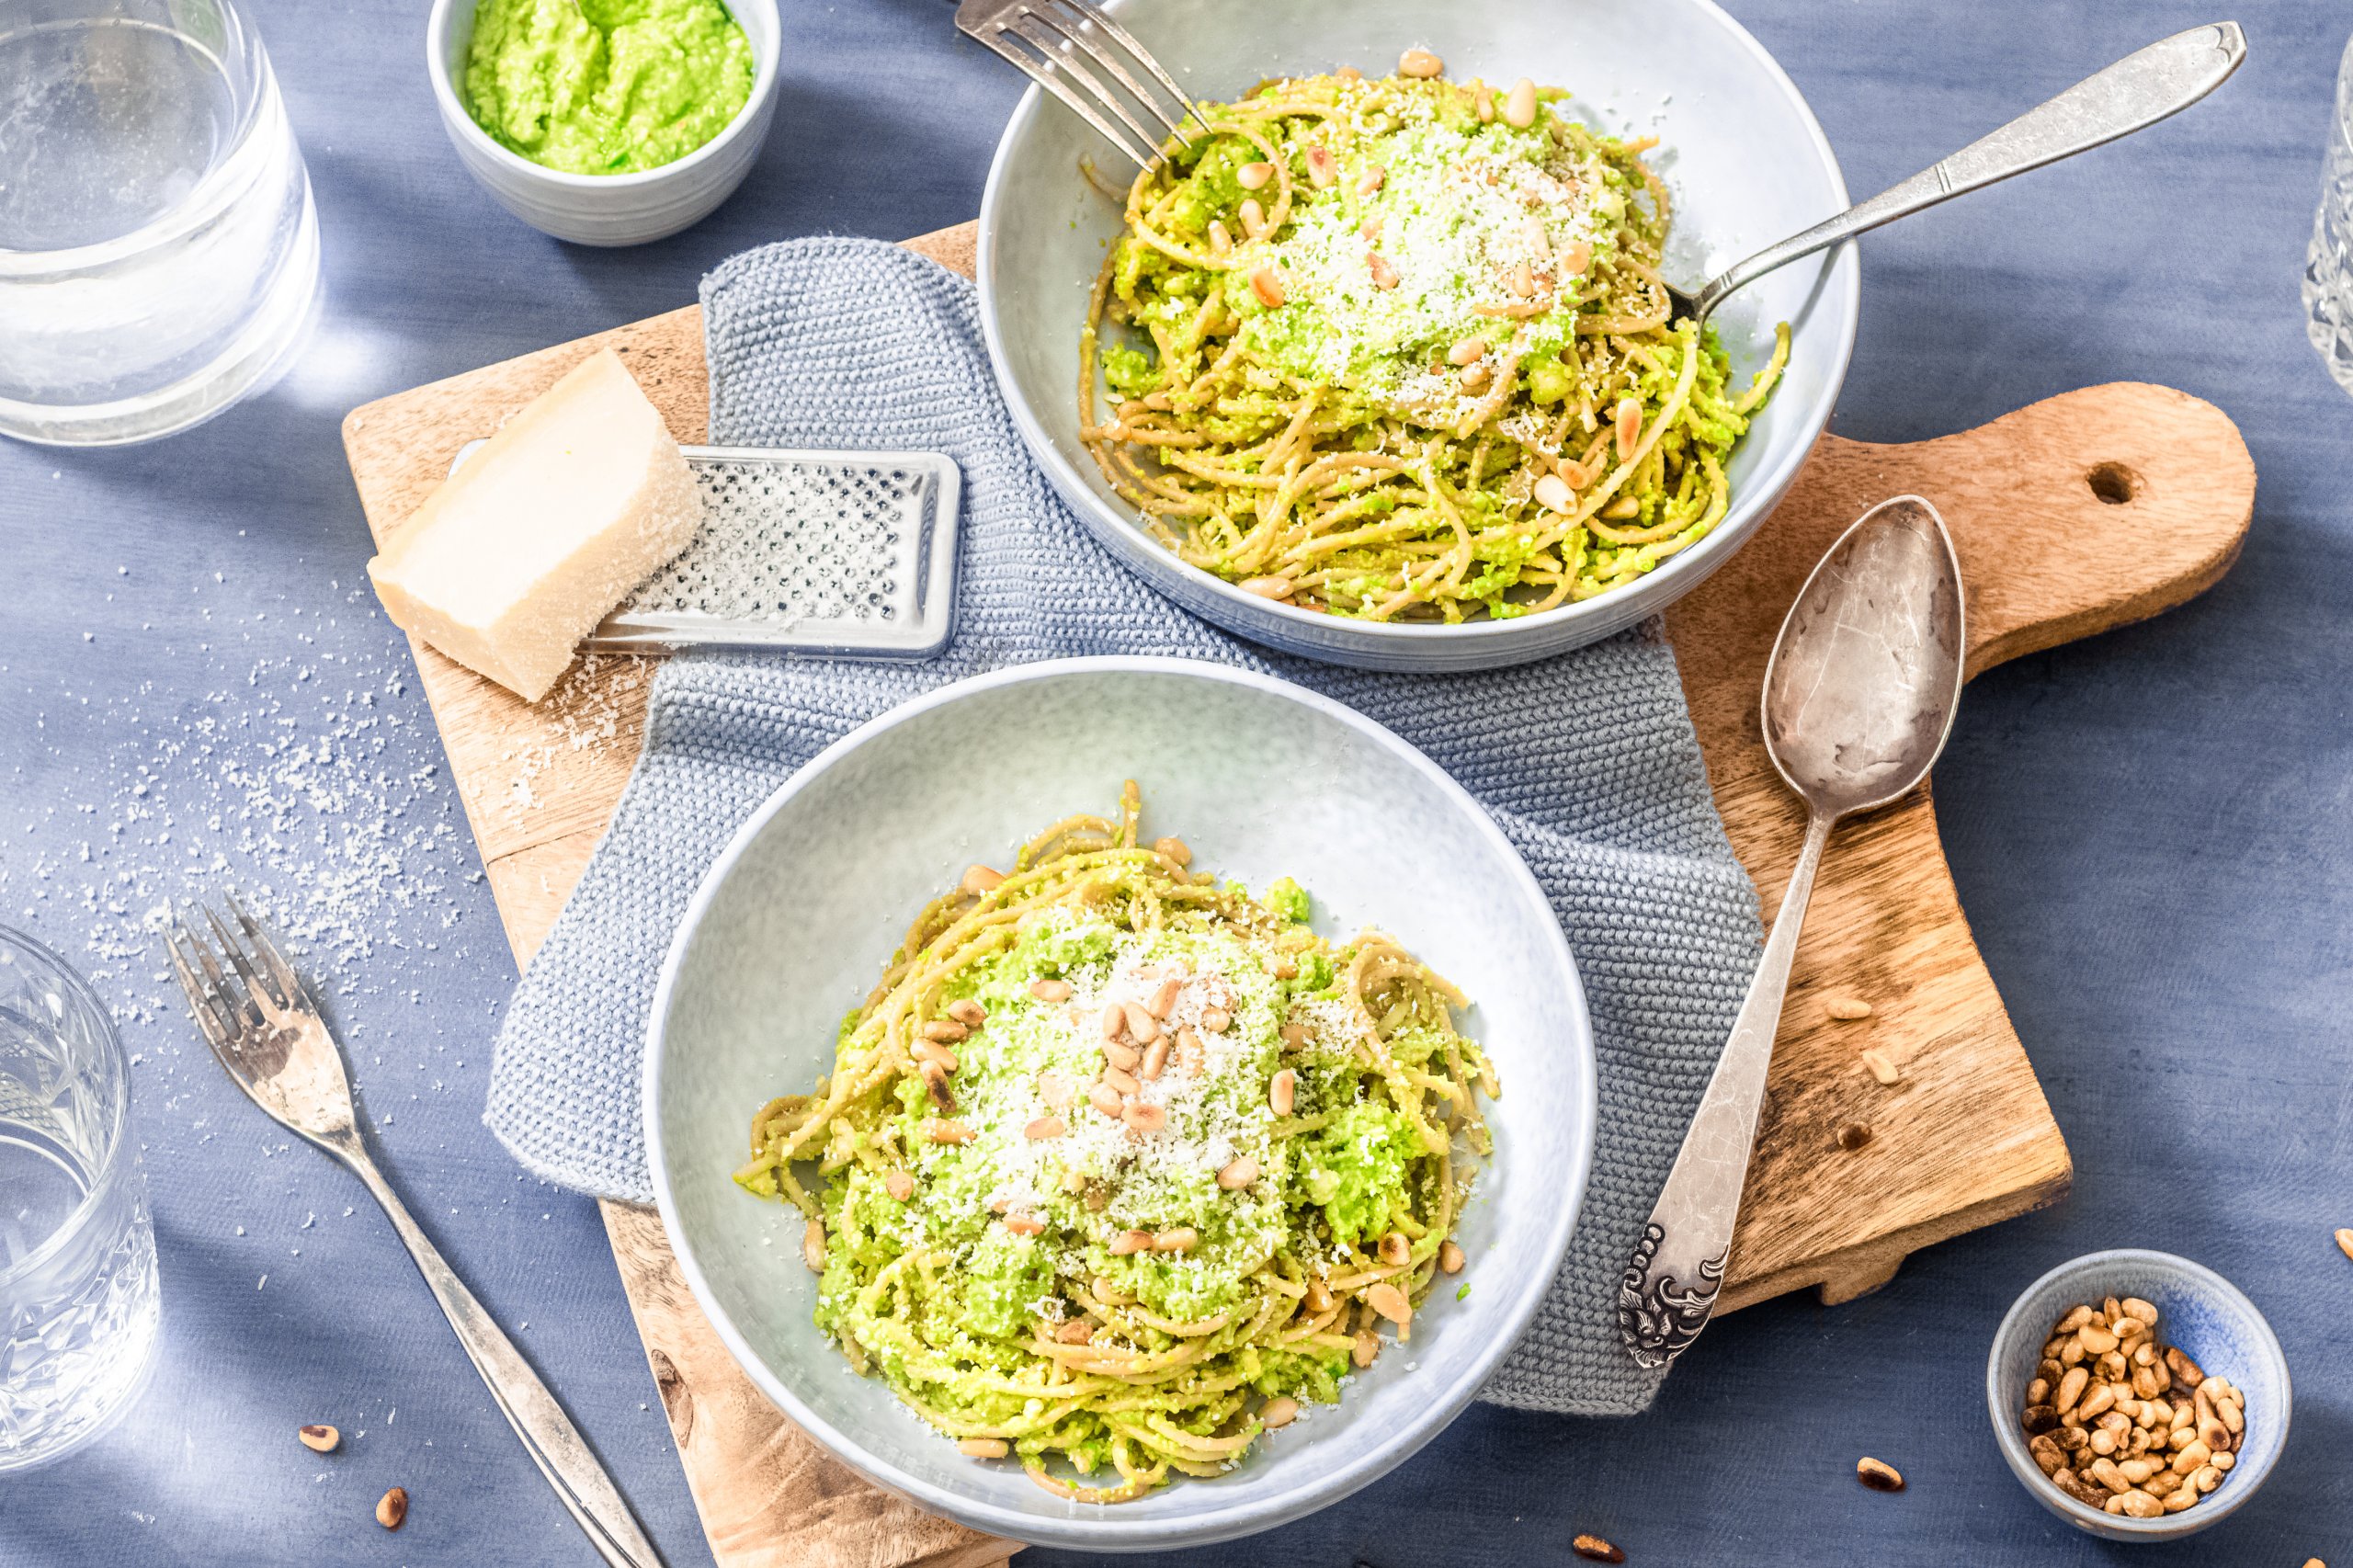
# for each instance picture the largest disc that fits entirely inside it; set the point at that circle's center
(1399, 350)
(1119, 1165)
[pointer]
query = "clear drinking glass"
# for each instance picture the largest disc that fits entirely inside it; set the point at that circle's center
(159, 254)
(78, 1303)
(2328, 265)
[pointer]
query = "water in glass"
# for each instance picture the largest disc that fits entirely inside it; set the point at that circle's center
(159, 252)
(79, 1308)
(2328, 265)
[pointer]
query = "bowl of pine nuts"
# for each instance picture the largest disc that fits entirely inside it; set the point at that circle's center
(2138, 1395)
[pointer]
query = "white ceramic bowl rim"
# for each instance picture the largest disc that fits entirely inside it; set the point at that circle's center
(1770, 483)
(2001, 1399)
(455, 113)
(1210, 1523)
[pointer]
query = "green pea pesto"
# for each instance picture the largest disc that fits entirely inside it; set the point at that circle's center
(606, 87)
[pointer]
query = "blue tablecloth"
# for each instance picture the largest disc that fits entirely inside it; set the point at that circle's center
(2149, 832)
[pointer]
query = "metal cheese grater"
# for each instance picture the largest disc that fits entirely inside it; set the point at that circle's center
(840, 553)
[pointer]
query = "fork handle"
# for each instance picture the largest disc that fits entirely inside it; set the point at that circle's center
(548, 1437)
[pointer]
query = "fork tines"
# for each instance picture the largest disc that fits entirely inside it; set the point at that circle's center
(1053, 42)
(264, 981)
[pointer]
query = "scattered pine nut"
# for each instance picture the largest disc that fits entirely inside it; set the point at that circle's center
(1847, 1009)
(941, 1131)
(1126, 1058)
(1367, 1346)
(1045, 1127)
(320, 1439)
(1419, 62)
(1176, 849)
(1267, 588)
(947, 1031)
(392, 1509)
(1879, 1475)
(1077, 1331)
(1254, 176)
(1238, 1175)
(1552, 493)
(1853, 1136)
(1384, 275)
(1282, 1092)
(1450, 1258)
(1885, 1070)
(1519, 104)
(1390, 1303)
(1142, 1028)
(1322, 167)
(1592, 1549)
(1629, 428)
(1050, 989)
(900, 1185)
(1468, 349)
(1395, 1248)
(984, 1447)
(1142, 1118)
(1268, 287)
(1215, 1020)
(1574, 258)
(1370, 180)
(813, 1245)
(1277, 1413)
(1154, 1059)
(2345, 1240)
(1184, 1238)
(1128, 1242)
(1523, 283)
(1254, 218)
(1025, 1224)
(969, 1013)
(980, 880)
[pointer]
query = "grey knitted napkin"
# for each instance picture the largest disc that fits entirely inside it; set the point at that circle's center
(1588, 763)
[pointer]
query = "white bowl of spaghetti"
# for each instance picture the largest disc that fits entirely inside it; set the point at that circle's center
(1276, 1408)
(1370, 377)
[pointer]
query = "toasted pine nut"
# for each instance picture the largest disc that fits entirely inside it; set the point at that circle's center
(1268, 287)
(1475, 377)
(1189, 1050)
(1164, 997)
(1395, 1248)
(2134, 1307)
(984, 1447)
(1215, 1020)
(932, 1051)
(1050, 989)
(982, 879)
(941, 1131)
(1184, 1238)
(2096, 1340)
(1127, 1241)
(1176, 849)
(1371, 180)
(1219, 241)
(1025, 1224)
(945, 1031)
(1552, 493)
(1282, 1092)
(1254, 218)
(319, 1439)
(1390, 1303)
(1367, 1346)
(1879, 1475)
(1282, 1409)
(2071, 1389)
(1143, 1118)
(1284, 969)
(1420, 63)
(1629, 419)
(392, 1508)
(1295, 1037)
(1155, 1057)
(2345, 1240)
(1523, 281)
(1483, 100)
(900, 1185)
(1123, 1056)
(1045, 1127)
(1318, 1300)
(1384, 275)
(1885, 1070)
(1141, 1025)
(1238, 1173)
(1369, 230)
(1254, 176)
(1267, 588)
(1592, 1549)
(1322, 167)
(1105, 1098)
(935, 1083)
(1467, 350)
(1120, 1080)
(968, 1011)
(1077, 1331)
(1519, 104)
(1055, 1090)
(1574, 258)
(1450, 1258)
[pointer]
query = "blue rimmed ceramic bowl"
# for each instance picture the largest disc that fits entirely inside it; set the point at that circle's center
(2205, 1315)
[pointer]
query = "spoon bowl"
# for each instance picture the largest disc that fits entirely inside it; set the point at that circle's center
(1866, 672)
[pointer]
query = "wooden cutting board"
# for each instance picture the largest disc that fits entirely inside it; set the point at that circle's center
(2078, 513)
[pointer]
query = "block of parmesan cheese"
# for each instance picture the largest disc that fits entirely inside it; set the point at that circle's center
(543, 530)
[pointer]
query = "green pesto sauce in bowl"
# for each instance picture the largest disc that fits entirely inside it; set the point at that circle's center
(606, 87)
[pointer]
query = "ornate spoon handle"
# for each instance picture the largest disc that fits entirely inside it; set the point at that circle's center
(2136, 92)
(1668, 1291)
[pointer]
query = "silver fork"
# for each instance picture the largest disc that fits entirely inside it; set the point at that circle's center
(1050, 41)
(269, 1036)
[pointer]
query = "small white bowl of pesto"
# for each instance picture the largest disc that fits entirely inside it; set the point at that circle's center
(1119, 1103)
(606, 122)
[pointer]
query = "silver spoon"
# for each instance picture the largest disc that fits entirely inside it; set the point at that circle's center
(2136, 92)
(1858, 698)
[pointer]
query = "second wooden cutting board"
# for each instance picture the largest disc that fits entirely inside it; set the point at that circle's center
(2078, 513)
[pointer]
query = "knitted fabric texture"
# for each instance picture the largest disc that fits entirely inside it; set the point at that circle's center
(1588, 763)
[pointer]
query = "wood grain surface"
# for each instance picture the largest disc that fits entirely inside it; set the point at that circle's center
(2077, 514)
